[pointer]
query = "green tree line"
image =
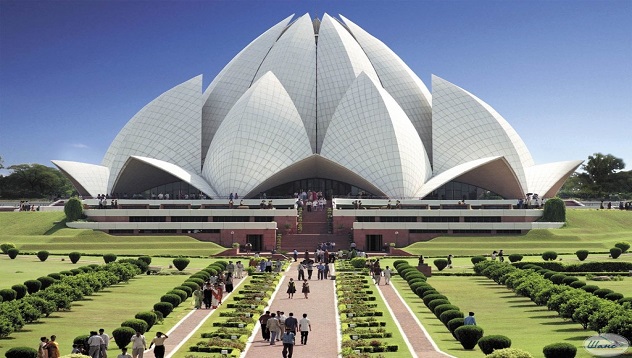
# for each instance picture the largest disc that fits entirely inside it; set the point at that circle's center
(33, 181)
(601, 177)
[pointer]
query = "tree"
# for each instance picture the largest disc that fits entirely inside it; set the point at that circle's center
(73, 209)
(34, 181)
(599, 173)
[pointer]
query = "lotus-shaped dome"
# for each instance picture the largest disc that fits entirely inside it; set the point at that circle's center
(312, 99)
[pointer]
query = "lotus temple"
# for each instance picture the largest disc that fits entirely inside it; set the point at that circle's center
(316, 105)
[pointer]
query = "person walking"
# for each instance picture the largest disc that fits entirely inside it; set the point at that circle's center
(450, 261)
(305, 327)
(198, 295)
(291, 288)
(52, 347)
(288, 343)
(41, 350)
(387, 275)
(95, 342)
(310, 269)
(263, 320)
(239, 269)
(159, 342)
(106, 343)
(501, 256)
(291, 323)
(295, 254)
(273, 327)
(138, 345)
(305, 289)
(124, 354)
(301, 271)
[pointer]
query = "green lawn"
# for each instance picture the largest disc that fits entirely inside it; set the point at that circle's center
(593, 230)
(106, 309)
(35, 231)
(498, 311)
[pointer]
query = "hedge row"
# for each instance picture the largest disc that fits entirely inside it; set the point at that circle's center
(577, 304)
(607, 266)
(60, 295)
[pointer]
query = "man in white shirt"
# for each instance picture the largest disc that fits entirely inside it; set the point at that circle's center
(138, 345)
(105, 344)
(95, 344)
(304, 326)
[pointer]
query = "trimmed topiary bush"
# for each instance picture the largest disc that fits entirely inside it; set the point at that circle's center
(430, 298)
(558, 278)
(181, 263)
(74, 257)
(515, 257)
(46, 282)
(21, 352)
(13, 253)
(73, 209)
(453, 324)
(149, 317)
(449, 315)
(181, 294)
(122, 336)
(42, 255)
(437, 302)
(602, 292)
(8, 294)
(55, 275)
(560, 350)
(569, 279)
(468, 336)
(549, 255)
(195, 280)
(582, 254)
(577, 284)
(163, 307)
(82, 341)
(615, 252)
(613, 296)
(192, 285)
(6, 246)
(624, 246)
(109, 258)
(21, 290)
(440, 264)
(438, 310)
(138, 325)
(554, 210)
(146, 259)
(509, 353)
(477, 259)
(186, 289)
(488, 344)
(32, 286)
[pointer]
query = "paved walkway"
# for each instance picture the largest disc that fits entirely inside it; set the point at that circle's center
(321, 311)
(419, 340)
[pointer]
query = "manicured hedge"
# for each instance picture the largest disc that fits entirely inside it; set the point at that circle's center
(468, 336)
(560, 350)
(488, 344)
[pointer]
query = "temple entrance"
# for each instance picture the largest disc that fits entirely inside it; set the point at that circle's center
(374, 243)
(256, 241)
(328, 187)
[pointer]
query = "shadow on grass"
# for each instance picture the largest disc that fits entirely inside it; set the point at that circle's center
(558, 323)
(58, 226)
(523, 306)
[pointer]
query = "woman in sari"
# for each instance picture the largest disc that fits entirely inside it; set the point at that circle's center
(215, 297)
(52, 347)
(198, 295)
(42, 352)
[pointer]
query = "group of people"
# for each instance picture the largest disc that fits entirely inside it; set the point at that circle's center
(97, 344)
(377, 272)
(277, 327)
(498, 254)
(25, 205)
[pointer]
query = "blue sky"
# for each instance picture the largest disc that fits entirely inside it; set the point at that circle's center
(72, 73)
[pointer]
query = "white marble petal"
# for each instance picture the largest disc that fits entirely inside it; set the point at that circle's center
(88, 179)
(547, 179)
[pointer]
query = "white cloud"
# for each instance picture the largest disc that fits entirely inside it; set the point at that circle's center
(79, 145)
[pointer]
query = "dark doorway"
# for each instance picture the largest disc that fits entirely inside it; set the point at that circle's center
(255, 241)
(374, 243)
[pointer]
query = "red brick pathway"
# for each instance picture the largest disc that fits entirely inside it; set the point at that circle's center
(419, 340)
(321, 311)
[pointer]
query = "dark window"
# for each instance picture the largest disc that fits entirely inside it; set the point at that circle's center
(231, 219)
(121, 231)
(440, 219)
(398, 219)
(264, 219)
(158, 231)
(426, 231)
(509, 231)
(471, 231)
(365, 219)
(147, 219)
(482, 219)
(189, 219)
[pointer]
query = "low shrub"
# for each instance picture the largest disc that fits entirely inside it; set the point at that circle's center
(82, 341)
(192, 285)
(122, 336)
(440, 264)
(449, 315)
(182, 294)
(477, 259)
(613, 296)
(569, 279)
(437, 302)
(73, 209)
(42, 255)
(624, 246)
(21, 290)
(428, 298)
(145, 259)
(554, 210)
(558, 278)
(468, 336)
(549, 255)
(149, 317)
(577, 284)
(74, 257)
(509, 353)
(55, 275)
(602, 292)
(109, 258)
(6, 246)
(163, 307)
(138, 325)
(582, 254)
(590, 288)
(13, 253)
(615, 252)
(515, 257)
(453, 324)
(21, 352)
(429, 292)
(181, 263)
(197, 281)
(32, 286)
(560, 350)
(423, 289)
(438, 310)
(8, 294)
(186, 289)
(489, 344)
(358, 262)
